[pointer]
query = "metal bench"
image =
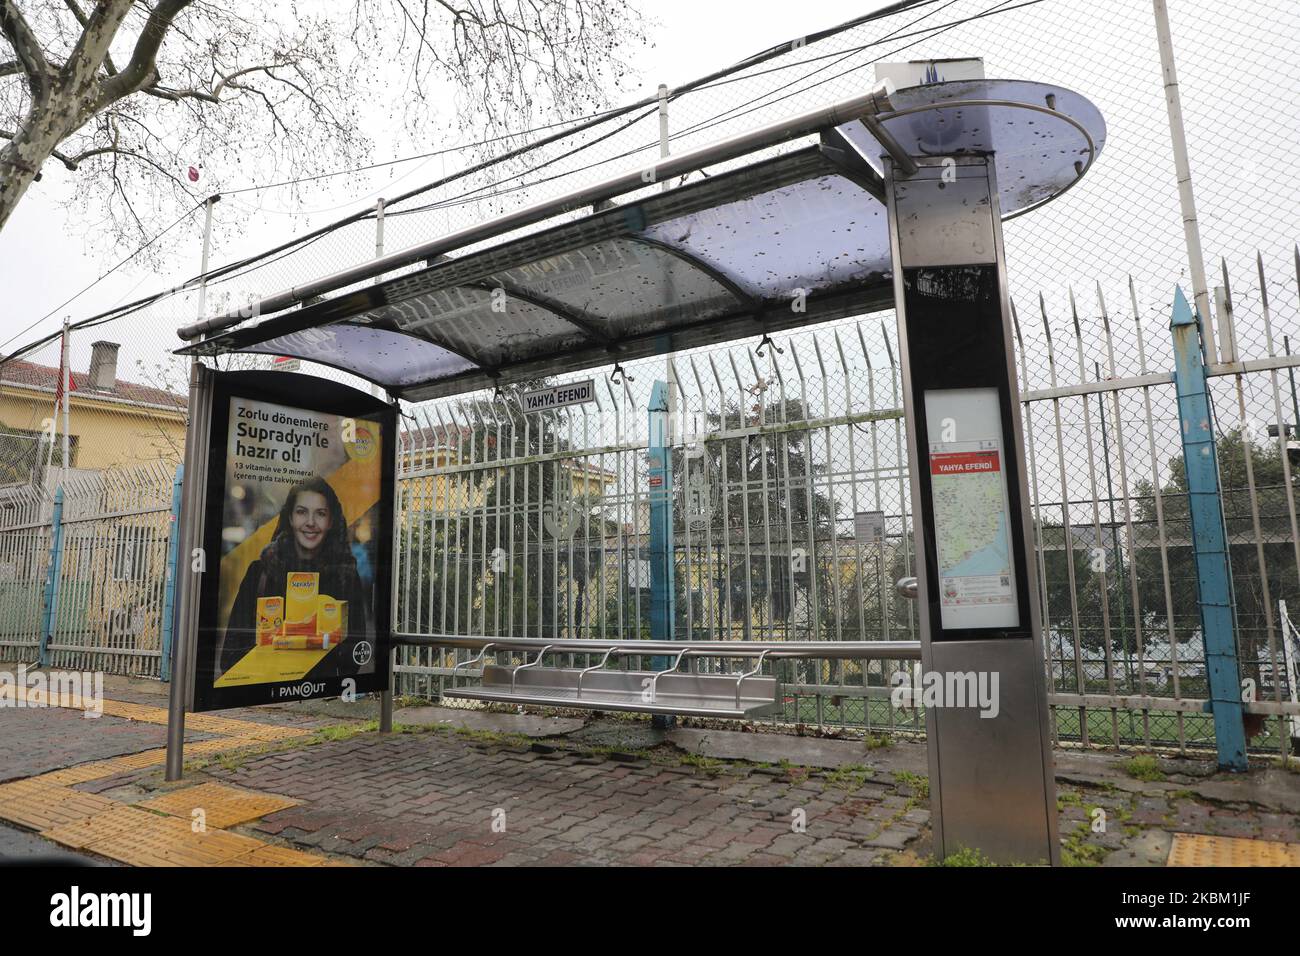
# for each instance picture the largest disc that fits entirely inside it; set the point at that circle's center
(746, 693)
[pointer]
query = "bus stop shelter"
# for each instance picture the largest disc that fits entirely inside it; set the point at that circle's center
(897, 203)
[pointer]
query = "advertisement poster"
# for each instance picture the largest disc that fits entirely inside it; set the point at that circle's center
(968, 488)
(295, 594)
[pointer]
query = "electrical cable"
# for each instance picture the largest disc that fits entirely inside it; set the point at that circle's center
(586, 123)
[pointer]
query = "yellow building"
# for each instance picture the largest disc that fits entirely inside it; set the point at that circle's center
(430, 449)
(112, 423)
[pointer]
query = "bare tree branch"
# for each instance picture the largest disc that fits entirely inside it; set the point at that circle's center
(84, 20)
(202, 76)
(71, 164)
(27, 48)
(142, 69)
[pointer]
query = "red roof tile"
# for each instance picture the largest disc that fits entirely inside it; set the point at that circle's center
(18, 372)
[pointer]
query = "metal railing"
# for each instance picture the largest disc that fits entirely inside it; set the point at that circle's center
(793, 519)
(105, 606)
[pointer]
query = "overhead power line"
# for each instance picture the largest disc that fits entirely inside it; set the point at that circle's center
(584, 124)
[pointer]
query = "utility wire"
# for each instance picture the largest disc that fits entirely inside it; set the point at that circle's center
(586, 124)
(189, 212)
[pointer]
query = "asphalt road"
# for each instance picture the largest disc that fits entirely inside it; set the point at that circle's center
(23, 848)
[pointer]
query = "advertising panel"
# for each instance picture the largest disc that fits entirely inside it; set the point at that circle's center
(294, 600)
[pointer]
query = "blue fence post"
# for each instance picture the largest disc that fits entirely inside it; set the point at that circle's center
(660, 493)
(1209, 536)
(49, 616)
(169, 587)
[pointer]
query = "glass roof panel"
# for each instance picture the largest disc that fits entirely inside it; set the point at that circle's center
(389, 358)
(812, 235)
(480, 324)
(1029, 130)
(625, 287)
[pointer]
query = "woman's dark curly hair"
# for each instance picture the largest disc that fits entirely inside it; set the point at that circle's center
(334, 550)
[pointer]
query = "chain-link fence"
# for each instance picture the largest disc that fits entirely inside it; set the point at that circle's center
(793, 519)
(1094, 366)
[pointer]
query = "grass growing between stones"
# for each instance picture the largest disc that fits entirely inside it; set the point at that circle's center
(1144, 767)
(918, 784)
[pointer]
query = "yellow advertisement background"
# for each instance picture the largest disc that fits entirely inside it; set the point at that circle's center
(357, 482)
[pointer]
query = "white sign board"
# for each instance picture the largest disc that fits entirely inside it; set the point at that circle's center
(869, 527)
(972, 520)
(558, 396)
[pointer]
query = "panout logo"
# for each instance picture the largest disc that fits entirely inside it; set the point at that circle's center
(305, 689)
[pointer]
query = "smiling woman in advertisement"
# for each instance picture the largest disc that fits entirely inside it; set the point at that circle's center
(309, 549)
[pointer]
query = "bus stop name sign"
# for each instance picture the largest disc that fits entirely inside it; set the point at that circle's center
(558, 396)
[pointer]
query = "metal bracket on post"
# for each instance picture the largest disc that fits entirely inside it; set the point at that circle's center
(1209, 538)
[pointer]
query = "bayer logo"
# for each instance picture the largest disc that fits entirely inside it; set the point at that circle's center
(361, 652)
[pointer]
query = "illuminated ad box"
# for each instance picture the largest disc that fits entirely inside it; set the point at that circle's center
(294, 598)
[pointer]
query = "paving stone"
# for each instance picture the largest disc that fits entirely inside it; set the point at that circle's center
(892, 838)
(429, 799)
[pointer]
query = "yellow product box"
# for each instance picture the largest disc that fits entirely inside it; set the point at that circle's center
(301, 590)
(331, 617)
(270, 619)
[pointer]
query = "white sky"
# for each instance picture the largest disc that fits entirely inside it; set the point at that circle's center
(41, 264)
(1234, 60)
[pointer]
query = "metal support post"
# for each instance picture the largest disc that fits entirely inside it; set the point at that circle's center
(978, 607)
(52, 577)
(660, 494)
(169, 587)
(1209, 538)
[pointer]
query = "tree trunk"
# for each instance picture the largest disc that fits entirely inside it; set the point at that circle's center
(20, 160)
(65, 99)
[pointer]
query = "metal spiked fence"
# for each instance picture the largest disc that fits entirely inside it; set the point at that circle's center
(793, 513)
(84, 572)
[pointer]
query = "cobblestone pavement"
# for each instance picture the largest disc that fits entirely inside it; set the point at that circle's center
(442, 795)
(434, 799)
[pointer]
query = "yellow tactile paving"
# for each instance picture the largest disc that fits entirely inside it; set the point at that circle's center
(269, 855)
(157, 832)
(220, 745)
(98, 769)
(137, 837)
(120, 819)
(82, 773)
(222, 806)
(40, 805)
(141, 712)
(1197, 849)
(241, 728)
(203, 723)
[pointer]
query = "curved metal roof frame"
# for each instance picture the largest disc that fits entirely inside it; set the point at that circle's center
(726, 307)
(783, 242)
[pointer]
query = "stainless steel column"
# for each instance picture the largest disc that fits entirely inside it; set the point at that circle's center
(991, 777)
(180, 691)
